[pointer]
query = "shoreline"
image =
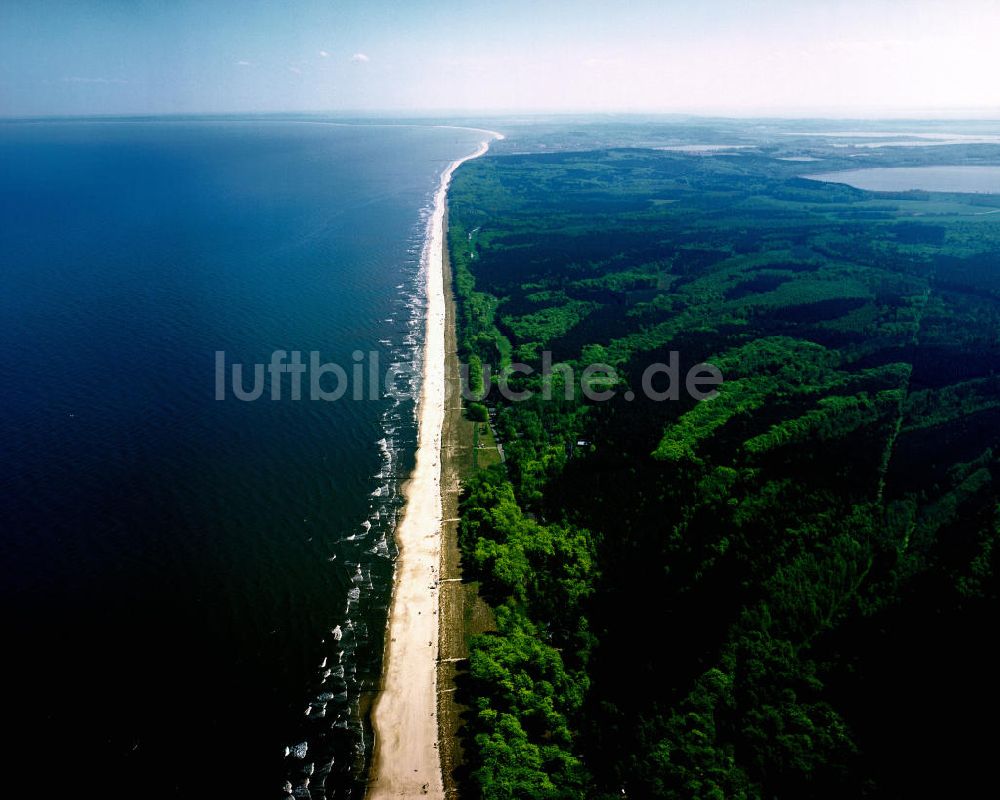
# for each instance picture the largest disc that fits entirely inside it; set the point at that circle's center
(406, 759)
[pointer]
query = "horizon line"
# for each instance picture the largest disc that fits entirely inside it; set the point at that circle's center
(978, 114)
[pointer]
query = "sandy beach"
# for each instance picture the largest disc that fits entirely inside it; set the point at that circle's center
(406, 760)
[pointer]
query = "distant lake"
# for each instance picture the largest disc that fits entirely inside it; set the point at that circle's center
(902, 138)
(708, 149)
(969, 179)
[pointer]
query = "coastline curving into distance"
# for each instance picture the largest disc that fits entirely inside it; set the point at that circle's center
(406, 760)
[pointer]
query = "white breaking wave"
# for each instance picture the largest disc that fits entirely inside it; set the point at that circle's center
(337, 678)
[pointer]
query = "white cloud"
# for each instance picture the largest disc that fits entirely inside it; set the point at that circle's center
(360, 58)
(324, 54)
(296, 70)
(242, 63)
(78, 79)
(875, 46)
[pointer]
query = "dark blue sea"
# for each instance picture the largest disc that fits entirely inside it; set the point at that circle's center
(173, 566)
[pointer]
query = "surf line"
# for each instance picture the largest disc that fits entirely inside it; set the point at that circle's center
(406, 760)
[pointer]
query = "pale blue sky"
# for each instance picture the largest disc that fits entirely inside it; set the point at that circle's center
(851, 56)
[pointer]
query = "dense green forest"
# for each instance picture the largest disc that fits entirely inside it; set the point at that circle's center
(786, 591)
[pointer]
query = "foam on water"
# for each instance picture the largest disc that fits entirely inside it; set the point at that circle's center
(334, 710)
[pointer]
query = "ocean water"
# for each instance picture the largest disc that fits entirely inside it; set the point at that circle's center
(173, 567)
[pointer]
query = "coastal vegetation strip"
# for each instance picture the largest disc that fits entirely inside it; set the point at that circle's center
(466, 446)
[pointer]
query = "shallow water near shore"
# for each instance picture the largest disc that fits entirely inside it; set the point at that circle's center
(201, 586)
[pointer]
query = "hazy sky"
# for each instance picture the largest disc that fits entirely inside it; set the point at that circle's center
(143, 56)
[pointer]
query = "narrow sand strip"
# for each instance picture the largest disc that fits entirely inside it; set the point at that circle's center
(406, 761)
